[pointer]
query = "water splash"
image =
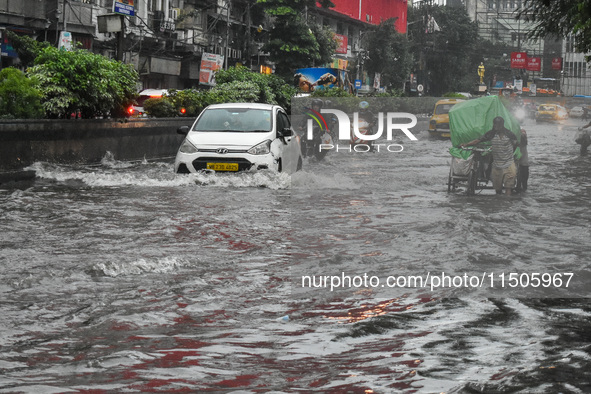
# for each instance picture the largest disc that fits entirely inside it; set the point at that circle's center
(138, 267)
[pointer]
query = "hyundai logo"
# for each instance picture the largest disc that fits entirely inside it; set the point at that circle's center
(222, 151)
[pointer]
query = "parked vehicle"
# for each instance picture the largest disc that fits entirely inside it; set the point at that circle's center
(576, 112)
(238, 137)
(439, 123)
(550, 113)
(137, 110)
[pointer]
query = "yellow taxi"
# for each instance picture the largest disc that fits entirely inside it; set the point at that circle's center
(551, 112)
(439, 123)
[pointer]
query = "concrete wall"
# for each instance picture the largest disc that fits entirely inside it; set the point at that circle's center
(85, 141)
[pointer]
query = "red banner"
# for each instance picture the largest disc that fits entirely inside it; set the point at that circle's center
(556, 63)
(518, 59)
(342, 42)
(534, 64)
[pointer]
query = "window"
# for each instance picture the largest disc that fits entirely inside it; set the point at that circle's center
(282, 121)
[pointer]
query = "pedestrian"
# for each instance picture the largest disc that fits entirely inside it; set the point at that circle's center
(503, 143)
(585, 112)
(523, 171)
(584, 139)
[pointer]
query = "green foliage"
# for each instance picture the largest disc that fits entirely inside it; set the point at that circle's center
(327, 43)
(26, 47)
(389, 55)
(331, 92)
(451, 55)
(391, 93)
(192, 100)
(234, 92)
(80, 80)
(18, 97)
(559, 19)
(270, 89)
(236, 84)
(294, 43)
(453, 95)
(160, 107)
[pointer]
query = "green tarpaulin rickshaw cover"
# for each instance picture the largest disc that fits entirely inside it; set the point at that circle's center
(471, 119)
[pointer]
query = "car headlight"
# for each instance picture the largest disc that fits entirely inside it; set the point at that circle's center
(187, 147)
(261, 149)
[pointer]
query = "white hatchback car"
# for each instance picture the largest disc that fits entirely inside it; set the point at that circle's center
(239, 137)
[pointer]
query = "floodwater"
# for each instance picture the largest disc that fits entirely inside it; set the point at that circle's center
(125, 277)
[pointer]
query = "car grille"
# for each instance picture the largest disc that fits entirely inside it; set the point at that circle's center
(442, 126)
(201, 162)
(229, 150)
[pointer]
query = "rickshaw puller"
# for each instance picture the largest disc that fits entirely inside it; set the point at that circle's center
(503, 143)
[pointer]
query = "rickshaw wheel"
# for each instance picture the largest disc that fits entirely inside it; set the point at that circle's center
(472, 180)
(450, 185)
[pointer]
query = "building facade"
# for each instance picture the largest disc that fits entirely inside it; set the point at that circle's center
(497, 23)
(165, 39)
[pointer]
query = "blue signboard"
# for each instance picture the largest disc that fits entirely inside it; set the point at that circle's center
(124, 7)
(6, 47)
(358, 84)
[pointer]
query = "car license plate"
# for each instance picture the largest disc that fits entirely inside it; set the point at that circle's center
(222, 166)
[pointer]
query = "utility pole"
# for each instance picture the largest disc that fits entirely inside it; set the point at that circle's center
(120, 39)
(227, 50)
(64, 23)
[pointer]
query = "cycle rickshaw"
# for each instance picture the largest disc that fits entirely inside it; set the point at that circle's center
(471, 166)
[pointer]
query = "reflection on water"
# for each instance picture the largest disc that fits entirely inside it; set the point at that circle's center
(126, 277)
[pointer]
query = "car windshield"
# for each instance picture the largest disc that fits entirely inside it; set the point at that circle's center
(443, 109)
(547, 108)
(235, 119)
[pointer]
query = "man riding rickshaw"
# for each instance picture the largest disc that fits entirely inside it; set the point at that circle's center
(494, 133)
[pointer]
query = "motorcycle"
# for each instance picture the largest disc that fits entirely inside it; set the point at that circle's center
(318, 146)
(365, 127)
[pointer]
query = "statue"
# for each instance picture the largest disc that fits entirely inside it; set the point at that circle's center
(481, 73)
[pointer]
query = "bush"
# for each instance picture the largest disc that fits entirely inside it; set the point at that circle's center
(80, 80)
(160, 107)
(270, 89)
(331, 92)
(234, 85)
(234, 92)
(454, 95)
(192, 100)
(19, 99)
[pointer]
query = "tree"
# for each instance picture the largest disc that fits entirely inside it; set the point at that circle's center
(293, 43)
(18, 97)
(269, 88)
(389, 55)
(447, 58)
(559, 19)
(26, 47)
(78, 80)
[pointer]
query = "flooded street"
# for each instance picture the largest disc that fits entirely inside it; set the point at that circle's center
(126, 277)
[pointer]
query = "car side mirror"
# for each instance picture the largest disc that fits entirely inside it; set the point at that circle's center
(286, 132)
(183, 130)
